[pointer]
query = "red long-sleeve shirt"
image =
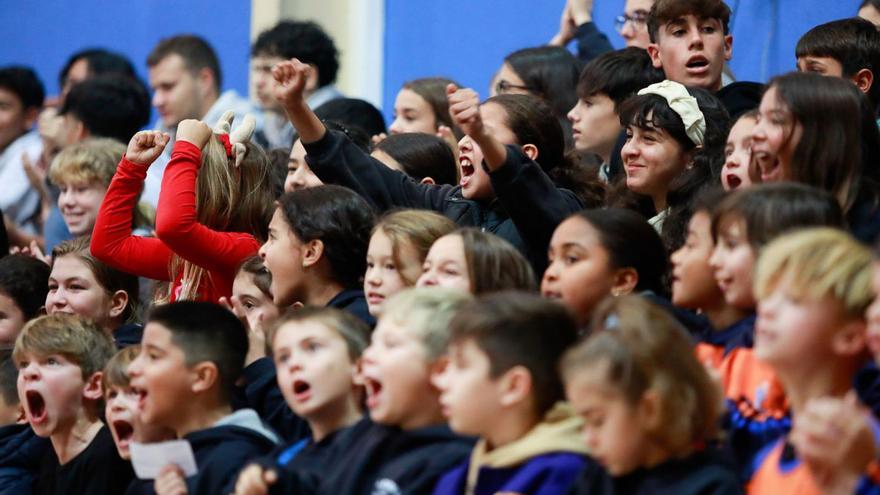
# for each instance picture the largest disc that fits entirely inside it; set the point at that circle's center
(177, 228)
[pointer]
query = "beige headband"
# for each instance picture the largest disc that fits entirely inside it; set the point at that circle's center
(682, 103)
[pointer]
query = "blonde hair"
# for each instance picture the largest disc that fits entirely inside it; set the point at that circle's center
(116, 370)
(77, 339)
(427, 311)
(417, 228)
(92, 161)
(817, 263)
(228, 199)
(639, 347)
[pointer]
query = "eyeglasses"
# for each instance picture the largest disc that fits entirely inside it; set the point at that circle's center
(638, 19)
(503, 86)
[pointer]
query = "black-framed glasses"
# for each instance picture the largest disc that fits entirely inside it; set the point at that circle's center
(503, 86)
(638, 19)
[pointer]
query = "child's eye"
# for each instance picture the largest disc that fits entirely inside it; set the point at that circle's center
(370, 265)
(390, 266)
(22, 364)
(313, 346)
(112, 394)
(51, 360)
(570, 259)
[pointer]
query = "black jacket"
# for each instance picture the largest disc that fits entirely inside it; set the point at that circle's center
(527, 208)
(373, 459)
(20, 453)
(703, 473)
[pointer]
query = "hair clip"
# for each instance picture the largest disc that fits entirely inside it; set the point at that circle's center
(682, 103)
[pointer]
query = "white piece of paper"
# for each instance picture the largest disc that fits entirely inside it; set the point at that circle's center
(149, 458)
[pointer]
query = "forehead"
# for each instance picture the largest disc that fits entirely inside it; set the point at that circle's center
(170, 68)
(393, 325)
(7, 97)
(638, 5)
(448, 246)
(298, 151)
(71, 266)
(690, 19)
(265, 60)
(297, 331)
(576, 230)
(156, 334)
(408, 98)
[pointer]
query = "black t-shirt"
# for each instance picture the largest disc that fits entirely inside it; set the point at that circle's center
(96, 470)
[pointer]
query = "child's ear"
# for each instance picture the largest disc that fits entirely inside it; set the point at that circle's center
(118, 302)
(438, 369)
(728, 47)
(357, 372)
(651, 410)
(654, 52)
(625, 281)
(530, 151)
(312, 252)
(863, 79)
(205, 376)
(206, 79)
(93, 389)
(516, 386)
(427, 180)
(850, 340)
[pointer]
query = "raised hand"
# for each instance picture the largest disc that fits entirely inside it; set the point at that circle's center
(835, 439)
(290, 77)
(581, 11)
(567, 27)
(254, 480)
(146, 146)
(464, 108)
(170, 481)
(194, 131)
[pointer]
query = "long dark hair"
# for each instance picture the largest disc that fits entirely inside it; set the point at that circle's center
(839, 145)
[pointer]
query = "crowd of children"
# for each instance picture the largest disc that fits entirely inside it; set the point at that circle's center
(629, 276)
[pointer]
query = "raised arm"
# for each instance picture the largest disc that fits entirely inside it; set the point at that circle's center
(177, 222)
(531, 199)
(112, 241)
(337, 160)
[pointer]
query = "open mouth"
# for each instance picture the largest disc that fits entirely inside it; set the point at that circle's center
(36, 406)
(733, 181)
(301, 390)
(697, 63)
(123, 430)
(769, 167)
(374, 390)
(375, 298)
(467, 170)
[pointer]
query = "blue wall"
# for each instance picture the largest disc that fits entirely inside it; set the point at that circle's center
(463, 39)
(44, 33)
(467, 39)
